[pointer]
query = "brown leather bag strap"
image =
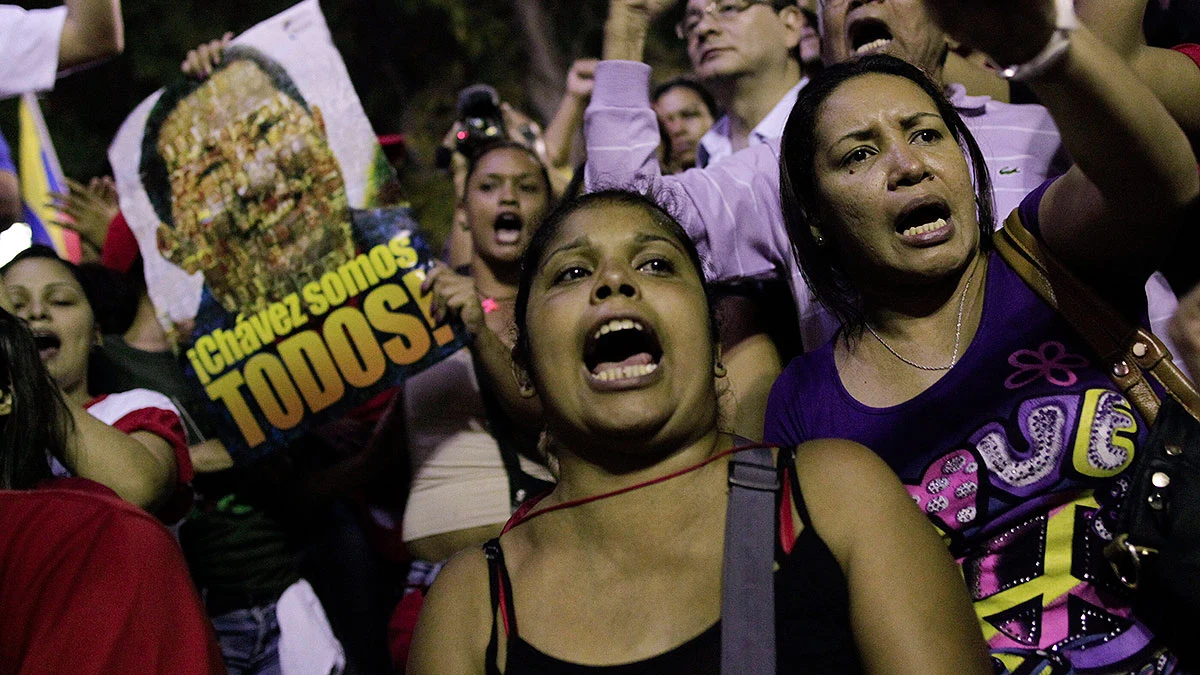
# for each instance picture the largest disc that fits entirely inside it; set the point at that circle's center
(1127, 351)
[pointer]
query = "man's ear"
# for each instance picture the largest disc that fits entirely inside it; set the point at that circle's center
(524, 382)
(793, 25)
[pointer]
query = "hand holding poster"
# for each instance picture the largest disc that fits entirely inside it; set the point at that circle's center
(246, 191)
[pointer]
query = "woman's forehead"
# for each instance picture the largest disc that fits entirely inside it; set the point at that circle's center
(872, 97)
(39, 270)
(609, 224)
(513, 159)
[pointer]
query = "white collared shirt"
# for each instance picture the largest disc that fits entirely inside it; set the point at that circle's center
(717, 143)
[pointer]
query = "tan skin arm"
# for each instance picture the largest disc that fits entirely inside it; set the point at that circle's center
(10, 200)
(1134, 171)
(628, 25)
(1173, 77)
(456, 620)
(1185, 331)
(568, 119)
(139, 467)
(454, 295)
(210, 456)
(908, 606)
(93, 30)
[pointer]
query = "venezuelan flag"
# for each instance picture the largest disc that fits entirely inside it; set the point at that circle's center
(40, 174)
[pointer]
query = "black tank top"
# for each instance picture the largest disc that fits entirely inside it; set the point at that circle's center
(812, 615)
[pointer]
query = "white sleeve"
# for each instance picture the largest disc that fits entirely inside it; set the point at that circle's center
(29, 48)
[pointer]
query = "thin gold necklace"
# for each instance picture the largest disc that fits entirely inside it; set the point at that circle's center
(962, 303)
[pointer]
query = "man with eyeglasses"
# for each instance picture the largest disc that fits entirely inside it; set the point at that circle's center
(746, 53)
(743, 51)
(732, 208)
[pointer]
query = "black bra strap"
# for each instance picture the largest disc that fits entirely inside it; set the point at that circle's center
(501, 590)
(797, 495)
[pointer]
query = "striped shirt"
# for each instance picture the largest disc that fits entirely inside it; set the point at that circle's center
(731, 208)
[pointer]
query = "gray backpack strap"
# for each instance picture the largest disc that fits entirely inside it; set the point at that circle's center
(748, 578)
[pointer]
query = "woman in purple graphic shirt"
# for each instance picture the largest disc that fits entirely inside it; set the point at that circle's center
(1002, 425)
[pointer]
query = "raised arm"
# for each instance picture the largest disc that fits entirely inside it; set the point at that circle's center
(730, 209)
(568, 119)
(454, 295)
(92, 31)
(1134, 170)
(908, 605)
(1172, 76)
(140, 467)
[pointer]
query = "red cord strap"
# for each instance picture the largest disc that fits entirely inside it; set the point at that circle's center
(527, 513)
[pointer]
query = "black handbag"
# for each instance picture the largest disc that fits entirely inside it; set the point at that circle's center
(1155, 551)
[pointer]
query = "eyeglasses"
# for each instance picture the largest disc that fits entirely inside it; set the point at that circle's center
(722, 11)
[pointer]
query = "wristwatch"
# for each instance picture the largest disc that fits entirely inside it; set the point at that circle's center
(1056, 47)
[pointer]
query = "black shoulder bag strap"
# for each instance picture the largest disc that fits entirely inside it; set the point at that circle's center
(1128, 351)
(521, 485)
(748, 578)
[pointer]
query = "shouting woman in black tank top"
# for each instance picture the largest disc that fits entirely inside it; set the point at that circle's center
(619, 568)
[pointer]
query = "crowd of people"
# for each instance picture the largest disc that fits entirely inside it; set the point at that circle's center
(748, 387)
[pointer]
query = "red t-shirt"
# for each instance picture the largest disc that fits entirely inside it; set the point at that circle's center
(150, 411)
(91, 584)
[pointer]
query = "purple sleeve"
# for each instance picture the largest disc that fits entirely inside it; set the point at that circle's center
(1028, 210)
(783, 426)
(6, 162)
(730, 209)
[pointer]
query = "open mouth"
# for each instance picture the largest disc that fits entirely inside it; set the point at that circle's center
(47, 343)
(922, 218)
(869, 35)
(508, 228)
(621, 349)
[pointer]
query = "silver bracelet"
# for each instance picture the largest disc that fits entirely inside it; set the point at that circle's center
(1056, 47)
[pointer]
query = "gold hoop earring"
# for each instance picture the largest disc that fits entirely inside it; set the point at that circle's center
(6, 403)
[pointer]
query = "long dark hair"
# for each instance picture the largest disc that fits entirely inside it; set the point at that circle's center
(822, 266)
(38, 421)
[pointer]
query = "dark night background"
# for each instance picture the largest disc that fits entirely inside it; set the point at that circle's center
(407, 59)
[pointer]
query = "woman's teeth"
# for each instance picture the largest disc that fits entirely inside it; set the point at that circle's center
(617, 324)
(508, 236)
(927, 227)
(872, 45)
(626, 372)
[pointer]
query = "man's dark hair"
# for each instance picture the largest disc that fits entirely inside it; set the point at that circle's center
(822, 266)
(155, 177)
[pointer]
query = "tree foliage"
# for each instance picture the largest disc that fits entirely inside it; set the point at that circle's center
(407, 59)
